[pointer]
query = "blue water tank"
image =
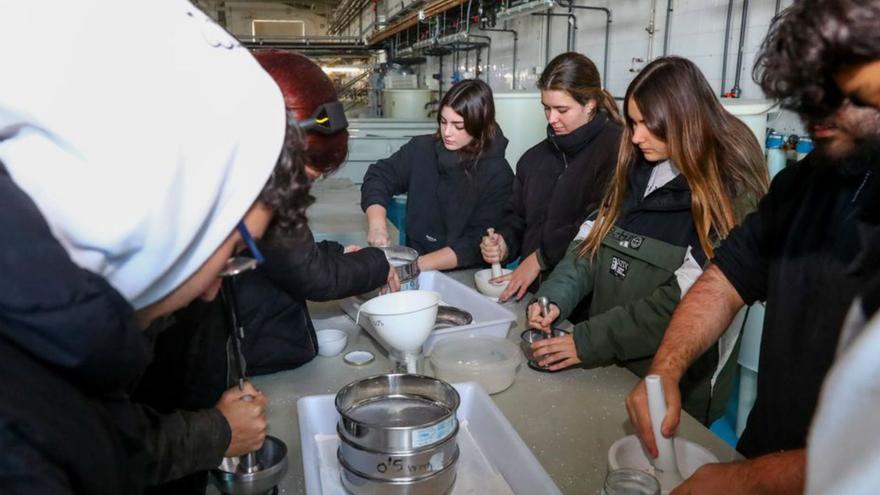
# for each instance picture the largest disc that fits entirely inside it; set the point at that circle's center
(775, 154)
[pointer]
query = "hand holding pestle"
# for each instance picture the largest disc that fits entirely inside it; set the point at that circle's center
(248, 463)
(666, 464)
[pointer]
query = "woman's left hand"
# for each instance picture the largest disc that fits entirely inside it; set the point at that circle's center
(556, 353)
(520, 279)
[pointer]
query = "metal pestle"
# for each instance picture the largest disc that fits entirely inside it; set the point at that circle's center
(545, 310)
(496, 267)
(248, 463)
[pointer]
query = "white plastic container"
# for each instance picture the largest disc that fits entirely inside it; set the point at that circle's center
(489, 318)
(490, 361)
(494, 437)
(331, 341)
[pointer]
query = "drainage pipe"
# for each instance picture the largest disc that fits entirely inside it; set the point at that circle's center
(515, 39)
(666, 28)
(726, 47)
(607, 12)
(736, 90)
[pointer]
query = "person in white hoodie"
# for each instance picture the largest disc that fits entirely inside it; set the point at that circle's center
(136, 154)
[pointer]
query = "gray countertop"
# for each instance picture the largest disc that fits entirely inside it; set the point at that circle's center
(569, 419)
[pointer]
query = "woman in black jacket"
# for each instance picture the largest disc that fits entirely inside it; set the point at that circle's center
(560, 180)
(457, 182)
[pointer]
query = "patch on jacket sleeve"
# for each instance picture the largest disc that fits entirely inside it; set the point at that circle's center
(584, 231)
(619, 267)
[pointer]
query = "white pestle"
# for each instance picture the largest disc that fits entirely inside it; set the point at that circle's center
(496, 267)
(666, 465)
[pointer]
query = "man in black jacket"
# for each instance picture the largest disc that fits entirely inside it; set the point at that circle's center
(803, 252)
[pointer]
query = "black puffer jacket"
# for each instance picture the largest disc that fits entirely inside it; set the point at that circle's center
(559, 181)
(445, 207)
(69, 351)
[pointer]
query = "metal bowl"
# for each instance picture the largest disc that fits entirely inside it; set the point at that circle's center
(231, 481)
(533, 335)
(405, 261)
(450, 316)
(397, 412)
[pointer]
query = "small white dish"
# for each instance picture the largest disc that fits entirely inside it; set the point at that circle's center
(359, 358)
(331, 341)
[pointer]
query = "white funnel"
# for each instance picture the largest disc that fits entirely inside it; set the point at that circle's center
(665, 465)
(403, 319)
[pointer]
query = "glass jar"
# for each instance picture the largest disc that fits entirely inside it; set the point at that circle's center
(627, 481)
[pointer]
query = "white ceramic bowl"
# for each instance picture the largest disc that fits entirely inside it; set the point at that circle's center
(628, 452)
(403, 319)
(331, 341)
(481, 280)
(490, 361)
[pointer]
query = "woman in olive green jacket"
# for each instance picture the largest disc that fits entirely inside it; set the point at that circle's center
(687, 173)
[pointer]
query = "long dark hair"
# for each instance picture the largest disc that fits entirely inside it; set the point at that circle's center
(717, 154)
(810, 41)
(472, 99)
(577, 75)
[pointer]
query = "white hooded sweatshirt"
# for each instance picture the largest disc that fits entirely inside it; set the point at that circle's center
(142, 131)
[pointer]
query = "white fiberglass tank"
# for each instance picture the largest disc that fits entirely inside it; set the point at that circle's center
(406, 103)
(521, 118)
(753, 113)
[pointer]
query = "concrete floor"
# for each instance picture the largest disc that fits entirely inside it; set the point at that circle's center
(337, 215)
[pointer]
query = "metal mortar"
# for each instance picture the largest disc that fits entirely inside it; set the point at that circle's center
(232, 479)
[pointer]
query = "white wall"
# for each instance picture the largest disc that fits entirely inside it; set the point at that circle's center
(696, 32)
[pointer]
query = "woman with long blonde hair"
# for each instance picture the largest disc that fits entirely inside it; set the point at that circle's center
(686, 174)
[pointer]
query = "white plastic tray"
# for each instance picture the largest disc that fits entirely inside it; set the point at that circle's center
(493, 434)
(490, 318)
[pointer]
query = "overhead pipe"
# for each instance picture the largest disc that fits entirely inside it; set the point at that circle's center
(726, 47)
(666, 28)
(344, 14)
(607, 12)
(547, 25)
(736, 90)
(488, 53)
(651, 29)
(572, 23)
(776, 12)
(515, 39)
